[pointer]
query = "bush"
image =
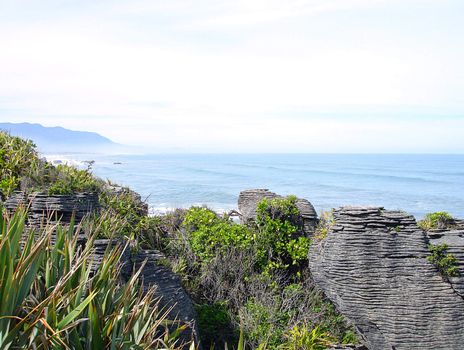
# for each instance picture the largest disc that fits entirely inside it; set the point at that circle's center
(280, 240)
(21, 168)
(445, 262)
(17, 157)
(438, 220)
(207, 232)
(69, 180)
(126, 212)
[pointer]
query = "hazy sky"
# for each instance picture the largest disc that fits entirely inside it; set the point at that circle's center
(243, 76)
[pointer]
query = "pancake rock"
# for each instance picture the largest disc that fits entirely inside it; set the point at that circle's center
(58, 207)
(168, 289)
(373, 266)
(248, 202)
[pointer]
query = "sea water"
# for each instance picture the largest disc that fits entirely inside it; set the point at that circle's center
(418, 184)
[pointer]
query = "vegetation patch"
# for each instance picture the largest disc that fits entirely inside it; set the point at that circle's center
(438, 220)
(280, 239)
(445, 262)
(326, 221)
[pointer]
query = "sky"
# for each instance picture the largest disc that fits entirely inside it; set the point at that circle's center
(317, 76)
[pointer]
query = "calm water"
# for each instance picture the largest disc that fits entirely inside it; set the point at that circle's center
(415, 183)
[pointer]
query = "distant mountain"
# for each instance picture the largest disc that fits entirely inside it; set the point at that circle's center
(58, 139)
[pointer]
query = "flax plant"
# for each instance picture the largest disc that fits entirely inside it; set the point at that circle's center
(52, 297)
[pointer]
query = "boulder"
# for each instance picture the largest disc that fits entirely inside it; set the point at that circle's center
(373, 266)
(248, 202)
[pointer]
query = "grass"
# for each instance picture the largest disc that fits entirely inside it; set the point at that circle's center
(437, 220)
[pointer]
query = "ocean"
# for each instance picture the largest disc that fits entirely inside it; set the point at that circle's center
(417, 184)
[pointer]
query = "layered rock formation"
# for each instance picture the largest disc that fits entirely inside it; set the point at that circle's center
(373, 266)
(248, 201)
(60, 207)
(168, 288)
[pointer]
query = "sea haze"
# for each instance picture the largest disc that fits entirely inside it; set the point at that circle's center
(417, 184)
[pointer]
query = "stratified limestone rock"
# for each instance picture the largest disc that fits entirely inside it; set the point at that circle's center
(168, 285)
(248, 202)
(373, 266)
(58, 207)
(169, 289)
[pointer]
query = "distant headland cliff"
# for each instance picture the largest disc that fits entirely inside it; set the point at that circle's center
(53, 139)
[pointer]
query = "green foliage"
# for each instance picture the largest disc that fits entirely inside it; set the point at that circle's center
(326, 221)
(216, 326)
(17, 156)
(208, 232)
(49, 300)
(263, 324)
(302, 338)
(280, 242)
(350, 337)
(445, 262)
(69, 180)
(436, 220)
(21, 168)
(123, 210)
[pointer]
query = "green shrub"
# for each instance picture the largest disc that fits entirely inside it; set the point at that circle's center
(263, 324)
(124, 210)
(17, 157)
(445, 262)
(436, 220)
(208, 232)
(21, 168)
(70, 180)
(280, 240)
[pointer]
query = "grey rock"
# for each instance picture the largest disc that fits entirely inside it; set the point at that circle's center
(248, 202)
(58, 207)
(169, 291)
(168, 287)
(379, 278)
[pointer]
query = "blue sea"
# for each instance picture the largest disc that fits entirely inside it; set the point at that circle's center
(418, 184)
